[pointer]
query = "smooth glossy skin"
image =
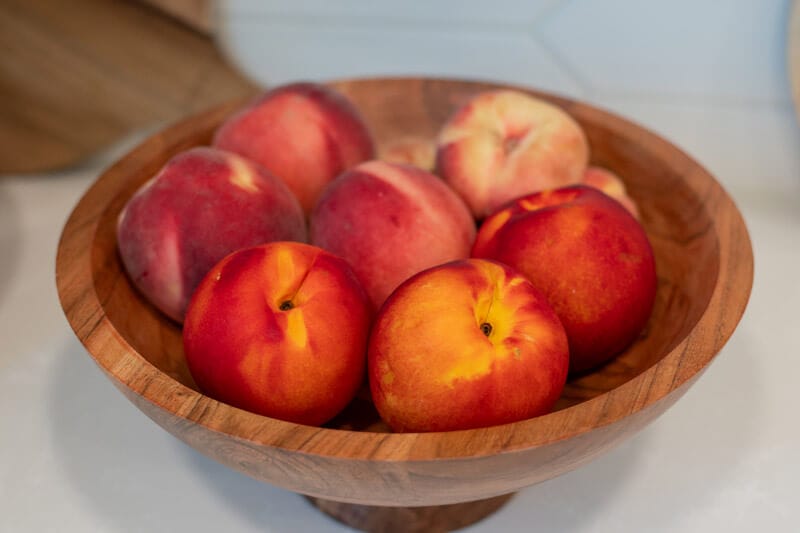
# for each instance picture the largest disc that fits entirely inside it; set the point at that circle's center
(465, 345)
(305, 133)
(590, 258)
(279, 330)
(202, 205)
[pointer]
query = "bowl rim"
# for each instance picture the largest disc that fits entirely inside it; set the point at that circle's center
(133, 373)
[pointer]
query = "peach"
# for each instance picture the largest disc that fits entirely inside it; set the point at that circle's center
(590, 258)
(304, 133)
(465, 345)
(280, 330)
(202, 205)
(416, 151)
(389, 221)
(505, 144)
(609, 183)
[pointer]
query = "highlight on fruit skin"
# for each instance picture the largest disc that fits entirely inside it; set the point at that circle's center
(203, 204)
(591, 259)
(390, 221)
(464, 345)
(280, 330)
(305, 133)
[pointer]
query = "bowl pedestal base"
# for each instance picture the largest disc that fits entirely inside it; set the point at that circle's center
(433, 519)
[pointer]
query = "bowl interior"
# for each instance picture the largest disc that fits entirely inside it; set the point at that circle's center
(673, 214)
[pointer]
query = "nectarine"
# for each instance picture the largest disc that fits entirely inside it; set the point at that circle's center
(280, 330)
(464, 345)
(590, 258)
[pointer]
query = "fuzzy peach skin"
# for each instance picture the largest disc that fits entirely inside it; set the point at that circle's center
(304, 133)
(505, 144)
(389, 221)
(280, 330)
(608, 182)
(416, 151)
(465, 345)
(202, 205)
(590, 258)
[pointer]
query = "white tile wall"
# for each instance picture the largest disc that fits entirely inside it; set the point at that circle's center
(750, 149)
(276, 51)
(729, 50)
(279, 41)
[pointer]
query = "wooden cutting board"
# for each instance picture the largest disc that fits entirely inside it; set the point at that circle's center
(76, 76)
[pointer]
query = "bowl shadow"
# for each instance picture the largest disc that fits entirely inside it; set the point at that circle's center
(137, 477)
(597, 486)
(600, 495)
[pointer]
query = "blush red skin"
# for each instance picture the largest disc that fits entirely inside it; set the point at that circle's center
(228, 315)
(386, 236)
(625, 290)
(193, 197)
(264, 133)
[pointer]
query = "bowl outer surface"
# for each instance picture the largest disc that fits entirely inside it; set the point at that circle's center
(434, 468)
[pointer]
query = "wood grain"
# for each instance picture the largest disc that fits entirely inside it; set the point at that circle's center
(436, 519)
(75, 79)
(705, 268)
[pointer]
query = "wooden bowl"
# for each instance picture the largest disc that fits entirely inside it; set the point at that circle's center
(705, 268)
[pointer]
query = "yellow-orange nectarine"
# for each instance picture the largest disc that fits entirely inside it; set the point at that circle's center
(463, 345)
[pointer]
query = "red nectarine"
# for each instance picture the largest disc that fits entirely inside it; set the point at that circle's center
(280, 330)
(590, 258)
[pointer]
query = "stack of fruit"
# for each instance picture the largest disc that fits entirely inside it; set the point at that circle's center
(466, 277)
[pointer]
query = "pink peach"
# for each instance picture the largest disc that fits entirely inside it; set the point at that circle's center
(609, 183)
(202, 205)
(304, 133)
(389, 221)
(505, 144)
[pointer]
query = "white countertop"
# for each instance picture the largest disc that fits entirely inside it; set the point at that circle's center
(75, 455)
